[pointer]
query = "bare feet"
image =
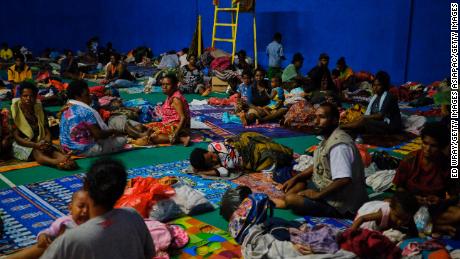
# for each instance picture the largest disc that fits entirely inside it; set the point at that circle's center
(206, 92)
(243, 119)
(185, 140)
(279, 203)
(144, 141)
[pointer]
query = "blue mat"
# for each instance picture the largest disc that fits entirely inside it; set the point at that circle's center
(28, 209)
(341, 224)
(213, 117)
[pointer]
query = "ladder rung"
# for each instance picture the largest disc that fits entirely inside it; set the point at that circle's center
(225, 40)
(227, 9)
(226, 24)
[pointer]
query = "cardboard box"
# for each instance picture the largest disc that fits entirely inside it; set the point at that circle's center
(218, 85)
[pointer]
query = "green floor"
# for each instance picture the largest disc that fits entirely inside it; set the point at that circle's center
(144, 157)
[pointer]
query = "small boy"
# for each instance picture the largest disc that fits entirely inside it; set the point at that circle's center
(244, 92)
(275, 56)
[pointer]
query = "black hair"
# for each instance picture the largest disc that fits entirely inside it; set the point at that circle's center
(28, 85)
(105, 182)
(404, 201)
(185, 50)
(277, 36)
(116, 56)
(4, 44)
(197, 159)
(384, 79)
(21, 57)
(67, 51)
(232, 199)
(333, 110)
(75, 194)
(297, 57)
(246, 72)
(324, 56)
(277, 77)
(172, 77)
(341, 61)
(77, 88)
(437, 130)
(242, 52)
(260, 69)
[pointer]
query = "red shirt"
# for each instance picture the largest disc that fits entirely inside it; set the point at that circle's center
(416, 178)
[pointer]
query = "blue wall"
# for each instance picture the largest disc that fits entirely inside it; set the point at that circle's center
(372, 35)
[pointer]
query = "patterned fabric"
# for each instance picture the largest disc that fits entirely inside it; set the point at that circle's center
(169, 114)
(74, 129)
(163, 129)
(191, 79)
(21, 153)
(228, 155)
(301, 115)
(320, 238)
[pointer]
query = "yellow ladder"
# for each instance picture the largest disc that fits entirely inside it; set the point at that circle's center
(234, 10)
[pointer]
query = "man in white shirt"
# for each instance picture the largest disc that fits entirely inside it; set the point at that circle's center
(335, 185)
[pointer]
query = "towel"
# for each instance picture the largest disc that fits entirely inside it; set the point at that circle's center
(21, 122)
(382, 99)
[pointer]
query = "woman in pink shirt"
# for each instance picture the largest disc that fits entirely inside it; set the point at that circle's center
(175, 113)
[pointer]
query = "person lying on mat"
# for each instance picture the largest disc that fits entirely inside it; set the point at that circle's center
(397, 213)
(78, 214)
(382, 115)
(109, 232)
(117, 73)
(31, 134)
(248, 151)
(82, 130)
(334, 186)
(426, 174)
(174, 126)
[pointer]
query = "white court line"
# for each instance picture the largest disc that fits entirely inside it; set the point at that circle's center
(7, 181)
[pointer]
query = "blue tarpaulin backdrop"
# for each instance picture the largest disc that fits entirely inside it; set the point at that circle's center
(407, 38)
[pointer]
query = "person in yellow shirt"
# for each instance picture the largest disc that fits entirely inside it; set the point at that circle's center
(19, 72)
(5, 53)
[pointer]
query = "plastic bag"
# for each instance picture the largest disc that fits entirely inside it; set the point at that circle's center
(423, 221)
(142, 193)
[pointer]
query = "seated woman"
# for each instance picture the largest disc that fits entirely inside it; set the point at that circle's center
(18, 73)
(292, 71)
(175, 114)
(191, 78)
(426, 174)
(117, 73)
(382, 115)
(259, 98)
(82, 130)
(69, 66)
(344, 74)
(248, 151)
(32, 136)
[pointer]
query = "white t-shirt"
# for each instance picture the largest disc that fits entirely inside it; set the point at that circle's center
(341, 158)
(118, 234)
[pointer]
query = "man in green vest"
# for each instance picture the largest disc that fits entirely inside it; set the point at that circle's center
(335, 185)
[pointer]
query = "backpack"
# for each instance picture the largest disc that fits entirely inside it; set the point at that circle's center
(255, 209)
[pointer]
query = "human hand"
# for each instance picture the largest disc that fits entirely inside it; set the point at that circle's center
(43, 241)
(289, 184)
(303, 249)
(311, 194)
